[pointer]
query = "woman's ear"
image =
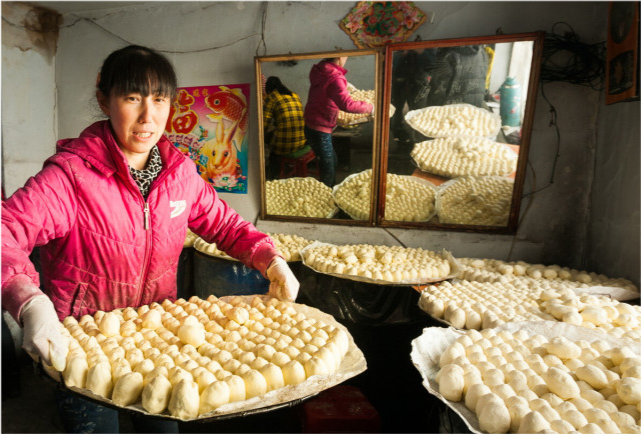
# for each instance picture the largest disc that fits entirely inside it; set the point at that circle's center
(103, 102)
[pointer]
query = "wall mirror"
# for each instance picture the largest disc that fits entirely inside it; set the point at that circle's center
(460, 131)
(290, 181)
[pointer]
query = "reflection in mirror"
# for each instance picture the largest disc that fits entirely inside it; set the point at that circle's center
(306, 164)
(462, 116)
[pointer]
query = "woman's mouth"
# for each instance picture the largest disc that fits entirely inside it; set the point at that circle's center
(143, 135)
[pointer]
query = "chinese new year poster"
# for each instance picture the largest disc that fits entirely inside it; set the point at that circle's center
(208, 124)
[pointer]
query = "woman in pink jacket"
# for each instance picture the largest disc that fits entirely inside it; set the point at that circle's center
(327, 96)
(110, 211)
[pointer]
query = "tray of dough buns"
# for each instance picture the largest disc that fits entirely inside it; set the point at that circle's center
(537, 377)
(207, 359)
(452, 157)
(470, 304)
(548, 277)
(475, 200)
(454, 120)
(346, 119)
(190, 239)
(287, 245)
(382, 265)
(210, 249)
(300, 197)
(407, 198)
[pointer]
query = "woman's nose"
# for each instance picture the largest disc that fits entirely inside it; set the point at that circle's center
(146, 110)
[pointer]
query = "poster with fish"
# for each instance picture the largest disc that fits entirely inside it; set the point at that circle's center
(208, 124)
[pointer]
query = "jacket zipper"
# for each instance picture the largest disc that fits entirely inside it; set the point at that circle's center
(147, 226)
(146, 211)
(143, 275)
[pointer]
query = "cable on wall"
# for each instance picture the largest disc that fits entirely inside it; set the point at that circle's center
(527, 208)
(554, 123)
(566, 58)
(395, 237)
(263, 23)
(104, 29)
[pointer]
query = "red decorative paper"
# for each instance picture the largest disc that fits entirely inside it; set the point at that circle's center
(374, 24)
(209, 124)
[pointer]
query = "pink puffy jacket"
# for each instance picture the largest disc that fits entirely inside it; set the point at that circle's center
(327, 95)
(104, 246)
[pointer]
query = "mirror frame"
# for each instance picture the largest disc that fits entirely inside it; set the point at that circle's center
(526, 130)
(378, 60)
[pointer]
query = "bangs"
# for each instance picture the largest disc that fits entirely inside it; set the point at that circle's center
(143, 79)
(137, 70)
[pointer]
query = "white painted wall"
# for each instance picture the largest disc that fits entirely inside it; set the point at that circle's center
(29, 125)
(215, 43)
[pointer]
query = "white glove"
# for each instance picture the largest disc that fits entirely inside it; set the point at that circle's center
(284, 285)
(42, 335)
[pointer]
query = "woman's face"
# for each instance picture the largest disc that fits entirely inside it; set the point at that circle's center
(342, 61)
(138, 121)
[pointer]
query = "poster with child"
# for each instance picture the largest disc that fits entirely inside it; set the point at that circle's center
(208, 124)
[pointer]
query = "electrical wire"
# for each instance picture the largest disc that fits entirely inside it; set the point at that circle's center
(262, 31)
(94, 22)
(202, 50)
(525, 212)
(395, 237)
(554, 123)
(584, 65)
(566, 58)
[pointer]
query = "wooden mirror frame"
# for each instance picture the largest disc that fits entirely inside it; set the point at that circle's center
(378, 58)
(528, 116)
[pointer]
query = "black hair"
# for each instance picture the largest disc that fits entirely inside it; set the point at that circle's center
(275, 83)
(137, 69)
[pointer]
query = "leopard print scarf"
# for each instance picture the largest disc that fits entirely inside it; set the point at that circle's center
(146, 176)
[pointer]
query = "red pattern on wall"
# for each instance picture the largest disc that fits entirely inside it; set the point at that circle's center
(374, 24)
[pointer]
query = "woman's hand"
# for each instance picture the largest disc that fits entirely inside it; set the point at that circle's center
(284, 284)
(42, 335)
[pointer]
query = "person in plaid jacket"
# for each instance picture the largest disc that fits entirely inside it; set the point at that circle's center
(284, 123)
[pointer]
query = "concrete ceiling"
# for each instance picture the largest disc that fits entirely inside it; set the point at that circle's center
(68, 7)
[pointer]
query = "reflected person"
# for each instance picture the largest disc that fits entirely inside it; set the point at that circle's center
(437, 77)
(284, 124)
(327, 96)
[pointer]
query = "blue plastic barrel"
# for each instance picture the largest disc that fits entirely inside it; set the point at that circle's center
(221, 277)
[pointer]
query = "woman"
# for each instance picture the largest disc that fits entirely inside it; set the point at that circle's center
(327, 96)
(111, 210)
(284, 109)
